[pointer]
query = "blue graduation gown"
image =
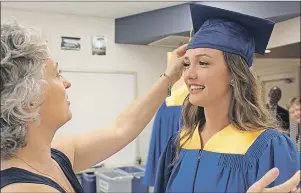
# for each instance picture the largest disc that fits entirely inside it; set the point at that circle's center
(167, 122)
(231, 161)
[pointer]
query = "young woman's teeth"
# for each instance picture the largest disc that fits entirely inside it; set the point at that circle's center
(197, 87)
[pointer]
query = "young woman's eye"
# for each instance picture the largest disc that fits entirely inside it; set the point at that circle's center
(203, 63)
(186, 64)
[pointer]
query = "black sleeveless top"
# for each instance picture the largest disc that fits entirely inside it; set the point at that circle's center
(18, 175)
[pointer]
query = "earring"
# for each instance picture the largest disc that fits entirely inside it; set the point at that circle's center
(232, 82)
(34, 102)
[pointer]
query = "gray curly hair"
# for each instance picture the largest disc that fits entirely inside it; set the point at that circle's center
(23, 57)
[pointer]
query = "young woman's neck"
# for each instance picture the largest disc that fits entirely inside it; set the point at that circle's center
(217, 115)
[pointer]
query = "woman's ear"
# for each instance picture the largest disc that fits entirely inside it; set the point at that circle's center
(32, 106)
(35, 103)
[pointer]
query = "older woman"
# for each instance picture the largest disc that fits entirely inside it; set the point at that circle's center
(294, 111)
(34, 105)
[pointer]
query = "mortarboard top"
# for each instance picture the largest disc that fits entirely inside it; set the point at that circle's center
(229, 31)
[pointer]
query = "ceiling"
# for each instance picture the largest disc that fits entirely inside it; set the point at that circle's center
(287, 51)
(108, 9)
(123, 8)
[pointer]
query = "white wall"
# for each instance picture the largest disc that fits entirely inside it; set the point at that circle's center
(148, 62)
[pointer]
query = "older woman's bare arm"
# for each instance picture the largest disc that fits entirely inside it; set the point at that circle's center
(95, 146)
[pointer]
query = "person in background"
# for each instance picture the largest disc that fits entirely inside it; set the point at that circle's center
(294, 110)
(34, 105)
(280, 113)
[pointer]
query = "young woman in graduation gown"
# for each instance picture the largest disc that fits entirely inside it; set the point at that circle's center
(229, 139)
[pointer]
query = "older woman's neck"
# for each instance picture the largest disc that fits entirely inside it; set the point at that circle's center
(38, 144)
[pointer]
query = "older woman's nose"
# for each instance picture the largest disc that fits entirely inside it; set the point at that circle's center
(67, 84)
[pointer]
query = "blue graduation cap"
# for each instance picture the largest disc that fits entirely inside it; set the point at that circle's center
(229, 31)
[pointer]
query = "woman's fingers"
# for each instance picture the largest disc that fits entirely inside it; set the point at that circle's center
(296, 190)
(180, 51)
(267, 179)
(287, 186)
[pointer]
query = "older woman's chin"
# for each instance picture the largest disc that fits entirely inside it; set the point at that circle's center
(69, 117)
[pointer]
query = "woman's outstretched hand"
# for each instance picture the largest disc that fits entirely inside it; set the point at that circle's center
(288, 186)
(175, 63)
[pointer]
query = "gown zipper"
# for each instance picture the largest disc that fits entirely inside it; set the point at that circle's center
(197, 167)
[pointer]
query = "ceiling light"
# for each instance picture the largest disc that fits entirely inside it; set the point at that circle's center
(267, 51)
